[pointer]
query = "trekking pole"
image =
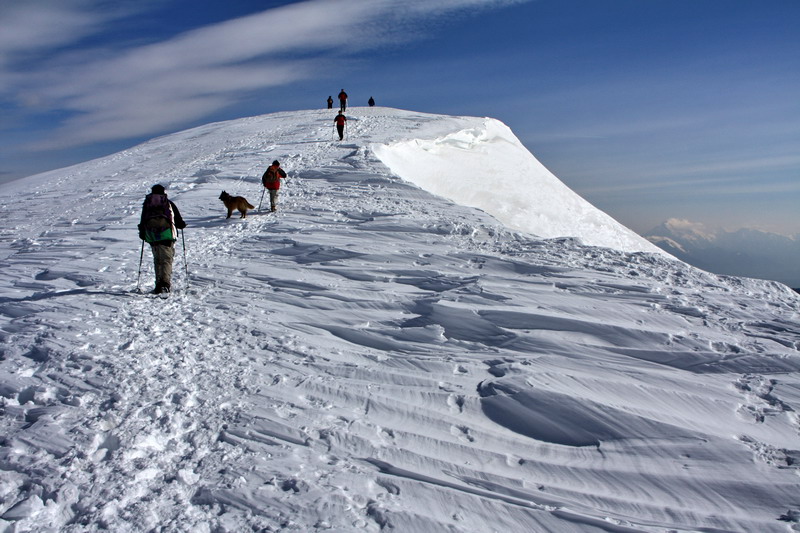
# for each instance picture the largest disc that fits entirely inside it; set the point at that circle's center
(139, 277)
(263, 190)
(185, 262)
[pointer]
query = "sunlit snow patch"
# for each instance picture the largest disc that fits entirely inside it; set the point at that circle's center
(488, 167)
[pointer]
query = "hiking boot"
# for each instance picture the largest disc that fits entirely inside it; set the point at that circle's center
(161, 288)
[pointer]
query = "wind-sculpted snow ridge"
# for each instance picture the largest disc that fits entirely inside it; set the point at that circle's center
(372, 357)
(487, 167)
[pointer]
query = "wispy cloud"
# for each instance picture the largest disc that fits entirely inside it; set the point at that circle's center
(699, 187)
(34, 26)
(109, 94)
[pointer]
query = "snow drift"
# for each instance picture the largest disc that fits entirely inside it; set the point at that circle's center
(487, 167)
(373, 356)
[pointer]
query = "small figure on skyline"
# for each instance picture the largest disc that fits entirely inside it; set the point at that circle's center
(272, 182)
(330, 102)
(371, 102)
(159, 225)
(342, 101)
(340, 121)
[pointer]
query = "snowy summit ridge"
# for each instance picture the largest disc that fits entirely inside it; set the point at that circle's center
(486, 166)
(375, 357)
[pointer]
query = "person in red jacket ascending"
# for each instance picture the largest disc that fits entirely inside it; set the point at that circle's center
(340, 121)
(272, 181)
(342, 100)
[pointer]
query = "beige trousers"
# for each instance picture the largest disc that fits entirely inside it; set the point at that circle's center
(273, 199)
(162, 258)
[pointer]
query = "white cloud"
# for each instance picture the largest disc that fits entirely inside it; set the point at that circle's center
(162, 85)
(43, 26)
(688, 229)
(37, 25)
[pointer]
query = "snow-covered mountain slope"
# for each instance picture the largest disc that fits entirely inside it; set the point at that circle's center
(372, 357)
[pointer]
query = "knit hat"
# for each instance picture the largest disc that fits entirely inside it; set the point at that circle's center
(158, 189)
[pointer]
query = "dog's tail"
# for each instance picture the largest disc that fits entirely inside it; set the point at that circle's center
(249, 206)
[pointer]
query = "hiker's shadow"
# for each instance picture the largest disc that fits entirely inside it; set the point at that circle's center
(214, 221)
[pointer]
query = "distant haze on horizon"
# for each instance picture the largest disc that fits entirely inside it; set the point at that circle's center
(667, 109)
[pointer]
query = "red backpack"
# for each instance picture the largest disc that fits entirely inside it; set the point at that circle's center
(272, 176)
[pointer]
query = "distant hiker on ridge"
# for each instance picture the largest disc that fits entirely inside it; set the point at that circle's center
(371, 102)
(159, 226)
(330, 102)
(340, 121)
(272, 182)
(342, 101)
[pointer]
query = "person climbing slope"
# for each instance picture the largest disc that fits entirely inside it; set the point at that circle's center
(272, 182)
(342, 101)
(159, 225)
(340, 121)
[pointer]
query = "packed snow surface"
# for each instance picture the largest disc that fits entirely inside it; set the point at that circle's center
(401, 347)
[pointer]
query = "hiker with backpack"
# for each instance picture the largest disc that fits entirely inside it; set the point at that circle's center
(340, 121)
(330, 102)
(342, 101)
(272, 182)
(159, 226)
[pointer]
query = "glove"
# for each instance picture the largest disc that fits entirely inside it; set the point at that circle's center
(141, 231)
(180, 224)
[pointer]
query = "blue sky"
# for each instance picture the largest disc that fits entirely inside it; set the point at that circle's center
(650, 109)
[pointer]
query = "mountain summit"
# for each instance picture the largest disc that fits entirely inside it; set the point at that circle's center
(375, 357)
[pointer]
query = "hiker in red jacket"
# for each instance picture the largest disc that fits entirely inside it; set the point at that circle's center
(272, 181)
(342, 101)
(340, 121)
